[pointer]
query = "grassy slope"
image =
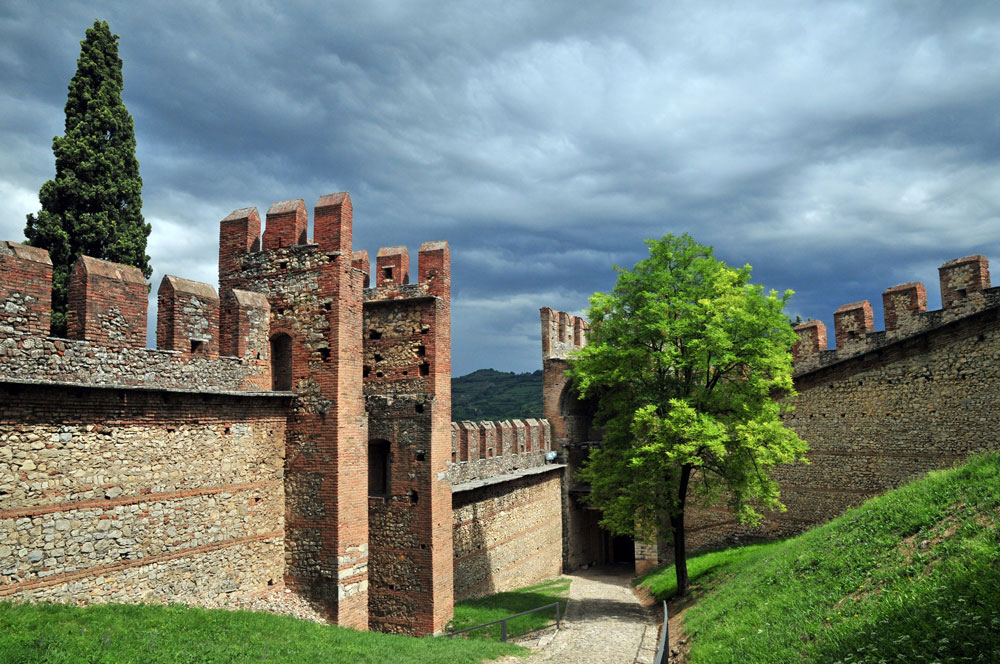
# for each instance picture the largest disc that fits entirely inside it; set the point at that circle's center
(911, 576)
(158, 634)
(496, 395)
(487, 609)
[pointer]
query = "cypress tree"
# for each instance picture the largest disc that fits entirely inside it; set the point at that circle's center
(94, 204)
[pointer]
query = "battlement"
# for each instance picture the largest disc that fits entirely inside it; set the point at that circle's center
(484, 449)
(392, 272)
(562, 333)
(965, 290)
(286, 228)
(106, 342)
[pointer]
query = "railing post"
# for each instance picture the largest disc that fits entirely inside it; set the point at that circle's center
(503, 630)
(557, 615)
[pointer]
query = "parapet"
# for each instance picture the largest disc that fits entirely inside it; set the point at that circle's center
(287, 227)
(107, 329)
(562, 333)
(487, 448)
(107, 303)
(187, 318)
(965, 290)
(25, 290)
(391, 276)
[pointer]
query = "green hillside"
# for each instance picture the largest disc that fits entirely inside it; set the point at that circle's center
(911, 576)
(496, 395)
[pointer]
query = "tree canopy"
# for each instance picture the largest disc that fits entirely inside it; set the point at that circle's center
(685, 357)
(94, 204)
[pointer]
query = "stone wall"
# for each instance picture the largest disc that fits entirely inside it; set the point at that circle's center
(123, 494)
(315, 300)
(507, 534)
(407, 386)
(481, 450)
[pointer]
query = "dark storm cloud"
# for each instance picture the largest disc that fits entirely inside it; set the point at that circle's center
(840, 148)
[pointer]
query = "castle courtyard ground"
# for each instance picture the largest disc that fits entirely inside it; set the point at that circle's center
(606, 623)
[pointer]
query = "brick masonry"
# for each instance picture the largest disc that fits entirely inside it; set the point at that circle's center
(407, 386)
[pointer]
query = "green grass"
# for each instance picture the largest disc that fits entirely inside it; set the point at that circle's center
(911, 576)
(114, 633)
(478, 611)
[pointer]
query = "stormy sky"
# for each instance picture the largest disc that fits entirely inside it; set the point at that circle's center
(839, 147)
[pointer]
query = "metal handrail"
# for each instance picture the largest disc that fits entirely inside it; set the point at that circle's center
(503, 622)
(663, 652)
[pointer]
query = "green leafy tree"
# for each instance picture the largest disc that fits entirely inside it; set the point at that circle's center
(94, 204)
(685, 357)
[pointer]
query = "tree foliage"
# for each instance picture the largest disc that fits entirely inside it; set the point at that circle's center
(94, 204)
(685, 357)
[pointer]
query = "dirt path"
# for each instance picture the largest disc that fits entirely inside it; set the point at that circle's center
(605, 624)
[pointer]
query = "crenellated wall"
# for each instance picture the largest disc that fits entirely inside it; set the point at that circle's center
(407, 387)
(483, 450)
(878, 410)
(122, 468)
(506, 497)
(965, 290)
(233, 457)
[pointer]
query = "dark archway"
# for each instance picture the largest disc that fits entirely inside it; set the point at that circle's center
(281, 362)
(378, 468)
(578, 416)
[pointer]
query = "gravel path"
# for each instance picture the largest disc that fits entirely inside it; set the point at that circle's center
(605, 624)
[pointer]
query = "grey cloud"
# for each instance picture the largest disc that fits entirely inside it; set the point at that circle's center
(836, 147)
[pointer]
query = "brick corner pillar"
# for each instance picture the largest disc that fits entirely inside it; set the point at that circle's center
(330, 471)
(434, 274)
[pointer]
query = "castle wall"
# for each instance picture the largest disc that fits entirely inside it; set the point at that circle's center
(124, 469)
(407, 387)
(315, 301)
(123, 494)
(507, 534)
(879, 409)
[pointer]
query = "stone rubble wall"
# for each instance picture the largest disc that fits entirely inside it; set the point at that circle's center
(406, 374)
(118, 494)
(507, 535)
(480, 450)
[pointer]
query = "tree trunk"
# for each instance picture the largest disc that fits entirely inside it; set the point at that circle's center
(677, 526)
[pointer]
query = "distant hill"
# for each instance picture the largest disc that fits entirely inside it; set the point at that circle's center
(496, 395)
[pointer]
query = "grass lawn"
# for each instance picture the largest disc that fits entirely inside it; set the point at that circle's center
(911, 576)
(115, 633)
(478, 611)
